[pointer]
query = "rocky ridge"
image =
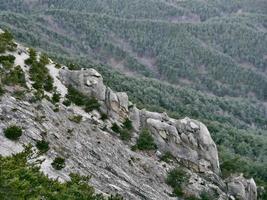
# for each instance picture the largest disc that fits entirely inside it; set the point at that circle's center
(91, 147)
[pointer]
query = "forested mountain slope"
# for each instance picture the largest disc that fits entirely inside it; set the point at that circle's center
(196, 58)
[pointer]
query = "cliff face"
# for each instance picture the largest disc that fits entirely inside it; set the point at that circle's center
(90, 146)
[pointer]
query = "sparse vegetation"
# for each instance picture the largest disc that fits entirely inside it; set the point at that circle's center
(76, 118)
(13, 132)
(58, 163)
(167, 157)
(145, 141)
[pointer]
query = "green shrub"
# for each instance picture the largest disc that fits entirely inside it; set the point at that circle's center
(104, 116)
(66, 102)
(7, 61)
(80, 99)
(2, 91)
(115, 128)
(56, 97)
(176, 178)
(44, 60)
(76, 118)
(42, 146)
(145, 141)
(58, 66)
(125, 134)
(13, 132)
(72, 66)
(128, 124)
(91, 104)
(15, 77)
(6, 42)
(48, 84)
(58, 163)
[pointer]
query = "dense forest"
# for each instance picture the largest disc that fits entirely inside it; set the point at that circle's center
(202, 59)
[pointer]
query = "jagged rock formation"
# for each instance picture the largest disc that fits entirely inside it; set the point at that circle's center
(90, 148)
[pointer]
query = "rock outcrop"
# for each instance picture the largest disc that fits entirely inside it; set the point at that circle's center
(90, 148)
(242, 188)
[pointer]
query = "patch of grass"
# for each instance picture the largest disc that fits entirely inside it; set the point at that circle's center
(76, 118)
(58, 163)
(13, 132)
(42, 146)
(145, 141)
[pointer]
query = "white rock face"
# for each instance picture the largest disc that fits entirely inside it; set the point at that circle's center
(241, 188)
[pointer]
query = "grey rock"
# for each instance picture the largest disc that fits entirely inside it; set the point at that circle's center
(241, 188)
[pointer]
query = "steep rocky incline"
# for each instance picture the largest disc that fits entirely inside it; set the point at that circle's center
(90, 145)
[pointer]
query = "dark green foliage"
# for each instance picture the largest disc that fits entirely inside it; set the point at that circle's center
(72, 66)
(56, 97)
(7, 61)
(39, 74)
(58, 163)
(42, 146)
(67, 102)
(13, 132)
(6, 42)
(115, 128)
(57, 65)
(15, 77)
(91, 104)
(19, 180)
(176, 178)
(128, 124)
(145, 141)
(80, 99)
(44, 60)
(104, 116)
(76, 118)
(124, 133)
(2, 91)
